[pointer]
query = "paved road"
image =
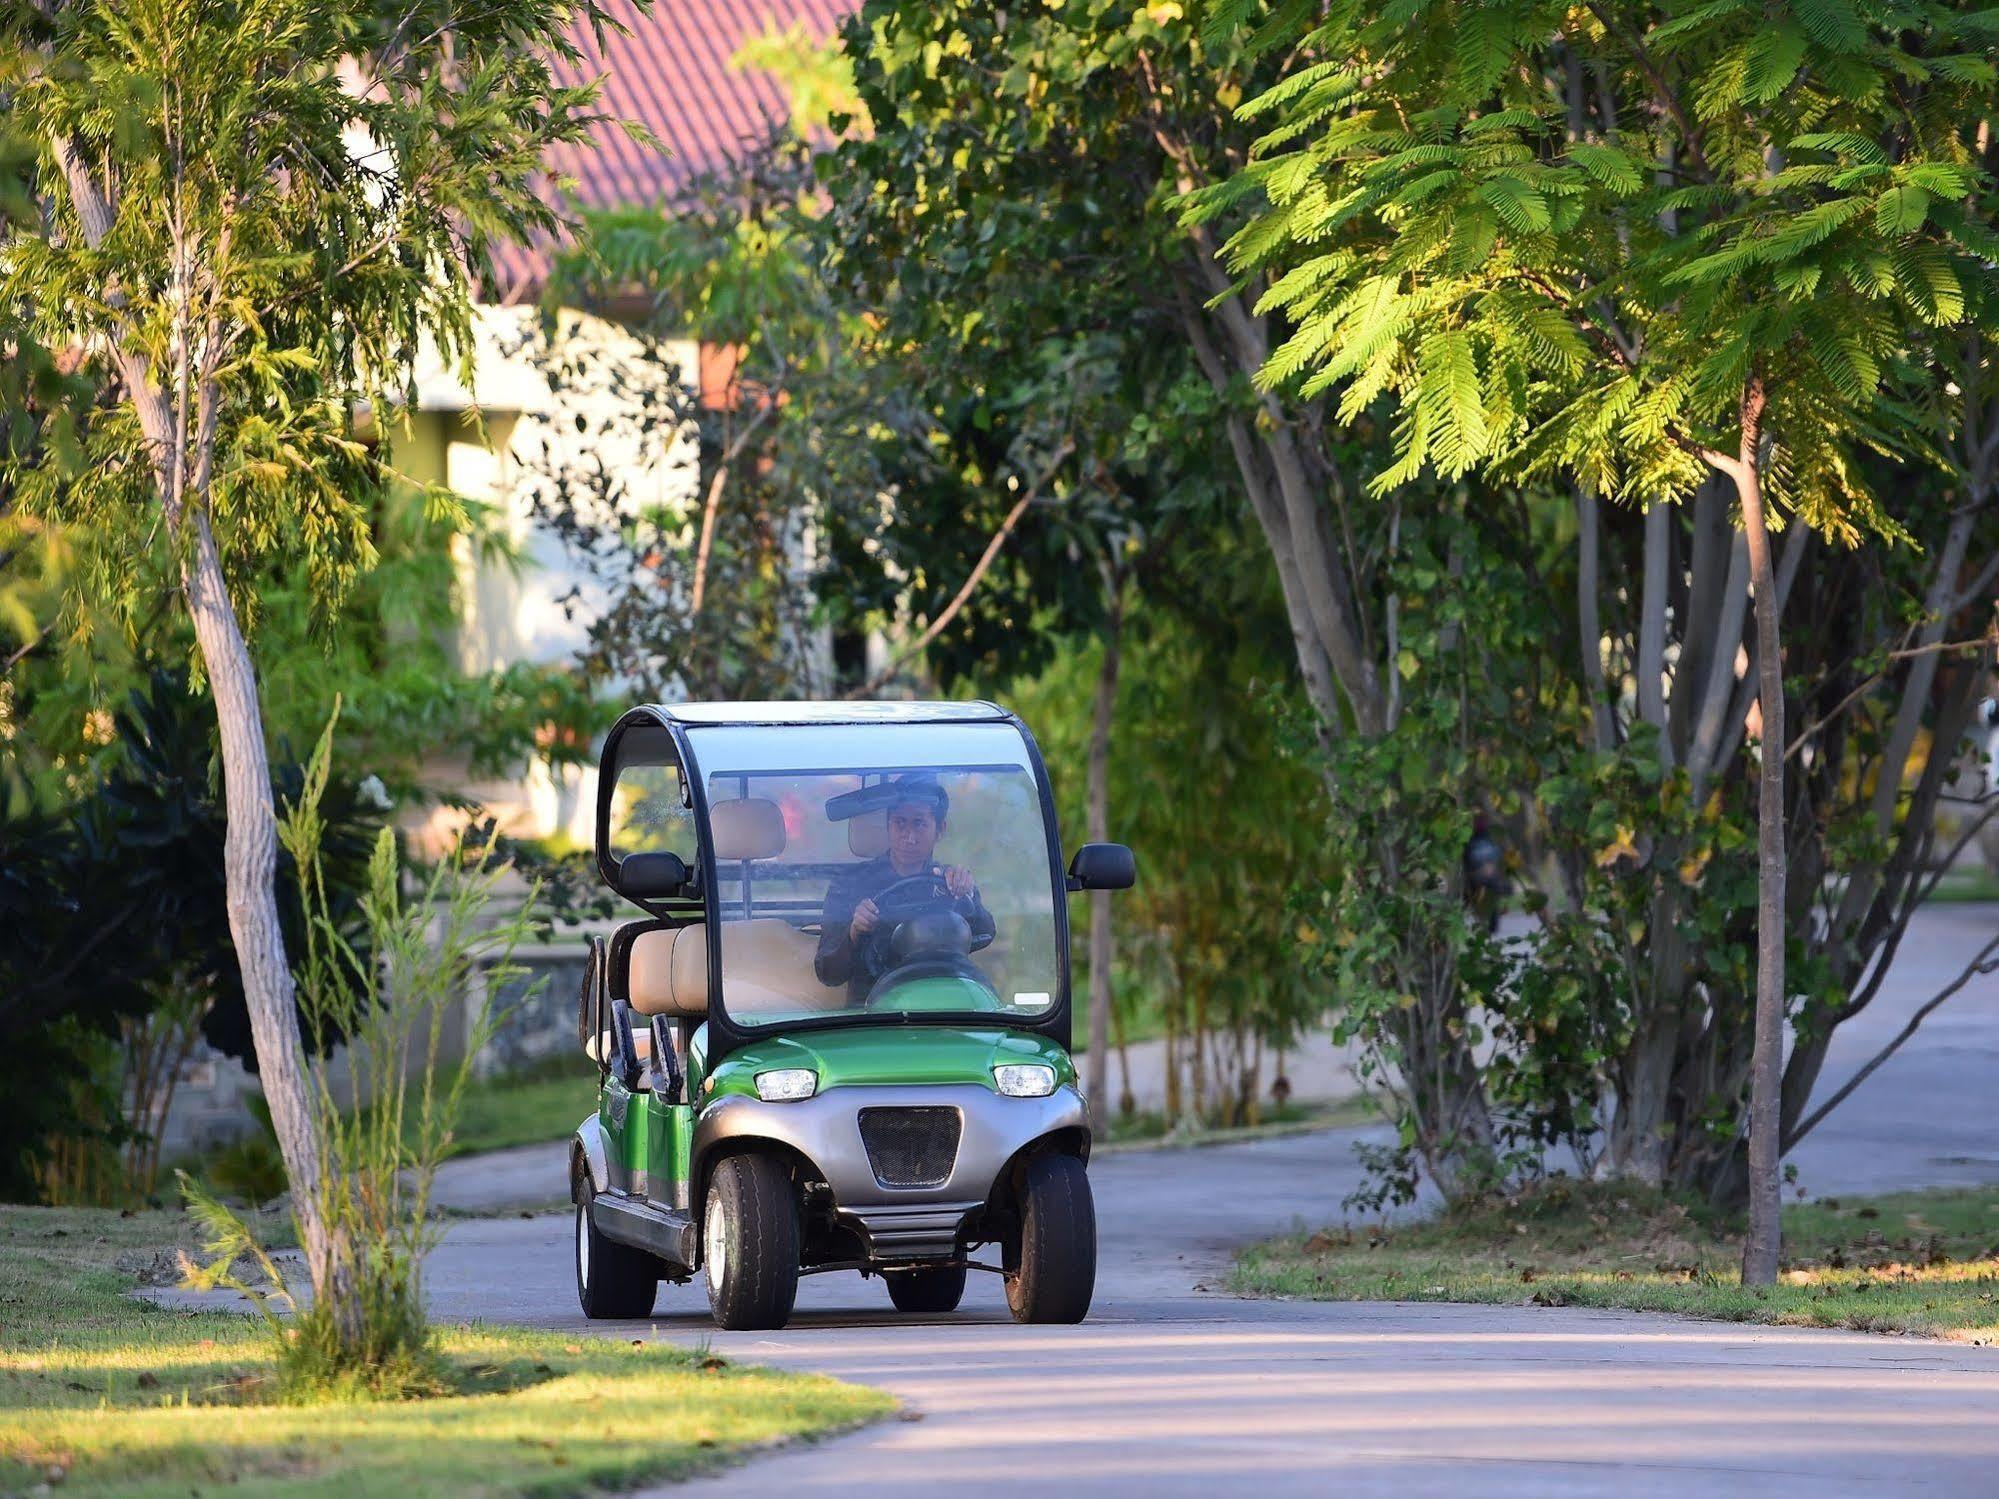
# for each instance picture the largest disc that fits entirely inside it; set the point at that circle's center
(1173, 1390)
(1929, 1116)
(1167, 1390)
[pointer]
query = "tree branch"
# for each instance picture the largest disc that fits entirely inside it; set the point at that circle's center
(1984, 963)
(714, 499)
(950, 611)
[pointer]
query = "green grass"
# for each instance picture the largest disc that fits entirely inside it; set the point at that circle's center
(1149, 1128)
(106, 1395)
(1967, 885)
(543, 1102)
(1915, 1262)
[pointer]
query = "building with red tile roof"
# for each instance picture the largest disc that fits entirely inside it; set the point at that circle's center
(669, 71)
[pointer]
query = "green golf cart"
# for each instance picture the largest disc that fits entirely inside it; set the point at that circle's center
(839, 1038)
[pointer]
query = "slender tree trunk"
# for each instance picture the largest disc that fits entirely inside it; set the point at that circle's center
(1761, 1248)
(1589, 619)
(1125, 1103)
(183, 453)
(250, 854)
(1097, 821)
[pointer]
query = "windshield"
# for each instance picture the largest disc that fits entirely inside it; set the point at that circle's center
(869, 870)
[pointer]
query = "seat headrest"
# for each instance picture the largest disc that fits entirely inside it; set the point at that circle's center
(749, 827)
(867, 835)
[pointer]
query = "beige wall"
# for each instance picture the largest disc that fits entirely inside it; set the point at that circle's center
(482, 438)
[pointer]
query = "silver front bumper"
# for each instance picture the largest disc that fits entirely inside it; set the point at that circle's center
(825, 1129)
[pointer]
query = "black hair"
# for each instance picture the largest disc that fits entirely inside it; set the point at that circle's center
(924, 788)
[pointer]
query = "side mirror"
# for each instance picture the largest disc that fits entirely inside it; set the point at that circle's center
(652, 876)
(1102, 866)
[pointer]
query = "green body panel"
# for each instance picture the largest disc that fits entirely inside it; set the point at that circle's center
(650, 1145)
(622, 1115)
(947, 995)
(697, 1060)
(647, 1143)
(887, 1055)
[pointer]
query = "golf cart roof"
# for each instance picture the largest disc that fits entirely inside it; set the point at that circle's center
(815, 714)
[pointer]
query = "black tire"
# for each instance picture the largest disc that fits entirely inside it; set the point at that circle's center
(927, 1291)
(613, 1280)
(1051, 1258)
(750, 1243)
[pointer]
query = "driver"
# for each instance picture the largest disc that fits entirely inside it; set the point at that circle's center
(915, 823)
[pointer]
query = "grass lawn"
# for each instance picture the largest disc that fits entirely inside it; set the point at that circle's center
(543, 1102)
(1917, 1262)
(101, 1394)
(1148, 1128)
(1975, 883)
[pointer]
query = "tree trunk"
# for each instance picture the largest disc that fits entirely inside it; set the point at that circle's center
(1097, 823)
(183, 454)
(1760, 1249)
(250, 853)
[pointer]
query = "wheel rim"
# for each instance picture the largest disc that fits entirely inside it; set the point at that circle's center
(715, 1243)
(583, 1245)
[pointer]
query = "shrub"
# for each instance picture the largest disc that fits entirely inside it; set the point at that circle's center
(395, 1000)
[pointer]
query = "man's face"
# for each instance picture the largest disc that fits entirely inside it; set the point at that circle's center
(913, 829)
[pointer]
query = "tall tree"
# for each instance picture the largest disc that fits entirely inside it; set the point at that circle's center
(255, 211)
(1635, 244)
(1044, 150)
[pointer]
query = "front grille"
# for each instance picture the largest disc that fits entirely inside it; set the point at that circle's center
(911, 1147)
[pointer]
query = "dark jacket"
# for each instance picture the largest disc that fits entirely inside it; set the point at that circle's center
(836, 961)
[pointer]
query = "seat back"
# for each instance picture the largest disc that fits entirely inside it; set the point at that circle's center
(768, 963)
(867, 834)
(668, 972)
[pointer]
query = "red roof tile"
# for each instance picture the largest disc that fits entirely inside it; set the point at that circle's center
(670, 73)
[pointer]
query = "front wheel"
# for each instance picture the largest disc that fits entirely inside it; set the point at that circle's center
(1051, 1257)
(931, 1291)
(749, 1243)
(612, 1279)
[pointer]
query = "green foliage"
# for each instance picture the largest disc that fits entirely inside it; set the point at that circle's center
(255, 254)
(126, 887)
(1007, 227)
(1221, 814)
(1387, 932)
(1567, 239)
(251, 1171)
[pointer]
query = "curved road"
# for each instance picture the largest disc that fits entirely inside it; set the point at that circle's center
(1167, 1390)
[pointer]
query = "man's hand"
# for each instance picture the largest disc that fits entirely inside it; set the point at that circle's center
(958, 880)
(866, 915)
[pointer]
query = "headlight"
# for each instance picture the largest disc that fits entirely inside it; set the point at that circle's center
(1023, 1079)
(787, 1084)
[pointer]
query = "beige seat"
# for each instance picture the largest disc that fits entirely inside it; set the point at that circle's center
(601, 1047)
(766, 962)
(867, 835)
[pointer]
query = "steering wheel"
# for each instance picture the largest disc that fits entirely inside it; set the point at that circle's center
(901, 902)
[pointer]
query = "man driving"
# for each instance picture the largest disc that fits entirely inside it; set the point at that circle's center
(915, 822)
